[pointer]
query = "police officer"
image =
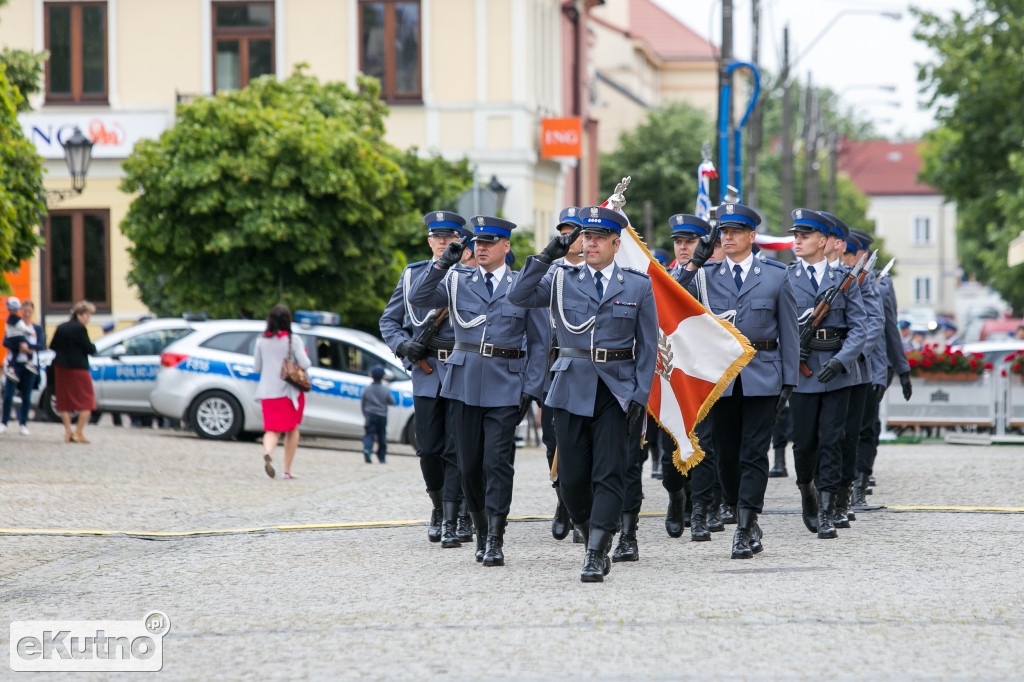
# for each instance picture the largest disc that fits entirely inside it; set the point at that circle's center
(606, 324)
(400, 324)
(820, 400)
(495, 371)
(756, 294)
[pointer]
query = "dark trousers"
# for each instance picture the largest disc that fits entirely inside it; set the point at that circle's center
(782, 433)
(741, 429)
(851, 432)
(486, 444)
(870, 429)
(592, 460)
(633, 476)
(817, 436)
(547, 432)
(435, 446)
(26, 382)
(703, 477)
(376, 428)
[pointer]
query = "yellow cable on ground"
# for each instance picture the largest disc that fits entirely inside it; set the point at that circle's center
(969, 509)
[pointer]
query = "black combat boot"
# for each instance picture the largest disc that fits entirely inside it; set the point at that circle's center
(715, 524)
(674, 515)
(778, 469)
(434, 529)
(464, 524)
(850, 516)
(480, 523)
(596, 564)
(809, 505)
(656, 466)
(560, 523)
(688, 507)
(755, 536)
(728, 513)
(577, 537)
(449, 539)
(699, 523)
(493, 556)
(839, 518)
(628, 550)
(826, 512)
(741, 536)
(859, 484)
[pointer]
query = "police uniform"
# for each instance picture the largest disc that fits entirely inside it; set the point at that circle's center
(758, 291)
(820, 408)
(497, 358)
(606, 325)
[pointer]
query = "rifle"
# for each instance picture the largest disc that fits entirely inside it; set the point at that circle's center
(427, 333)
(813, 322)
(868, 267)
(886, 269)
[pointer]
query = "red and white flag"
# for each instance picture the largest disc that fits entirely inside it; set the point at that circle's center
(770, 242)
(698, 354)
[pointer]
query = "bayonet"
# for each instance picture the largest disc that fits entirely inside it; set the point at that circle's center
(887, 268)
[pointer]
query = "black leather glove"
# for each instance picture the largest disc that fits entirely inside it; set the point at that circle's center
(787, 391)
(805, 352)
(524, 406)
(633, 414)
(705, 247)
(559, 246)
(908, 389)
(830, 371)
(413, 351)
(879, 393)
(452, 254)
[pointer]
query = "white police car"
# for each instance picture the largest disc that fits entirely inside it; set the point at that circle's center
(207, 379)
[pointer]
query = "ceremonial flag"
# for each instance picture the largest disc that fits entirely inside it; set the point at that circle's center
(705, 173)
(772, 243)
(698, 354)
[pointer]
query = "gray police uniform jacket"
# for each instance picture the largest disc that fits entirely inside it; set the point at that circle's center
(472, 378)
(888, 352)
(402, 321)
(873, 319)
(847, 313)
(765, 311)
(549, 338)
(625, 317)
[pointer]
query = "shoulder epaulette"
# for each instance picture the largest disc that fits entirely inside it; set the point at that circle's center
(567, 266)
(792, 264)
(417, 264)
(773, 262)
(636, 272)
(713, 263)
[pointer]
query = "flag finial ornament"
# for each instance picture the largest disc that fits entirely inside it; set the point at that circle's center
(618, 197)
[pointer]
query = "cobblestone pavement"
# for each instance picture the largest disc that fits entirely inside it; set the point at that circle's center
(915, 594)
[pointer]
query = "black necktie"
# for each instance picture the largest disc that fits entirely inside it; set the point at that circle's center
(738, 276)
(810, 273)
(489, 281)
(597, 283)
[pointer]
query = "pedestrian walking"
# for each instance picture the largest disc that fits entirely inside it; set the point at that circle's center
(23, 340)
(375, 401)
(282, 403)
(72, 381)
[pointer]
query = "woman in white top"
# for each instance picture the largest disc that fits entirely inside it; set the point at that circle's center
(282, 403)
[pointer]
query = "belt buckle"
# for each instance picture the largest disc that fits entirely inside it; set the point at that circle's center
(442, 354)
(486, 349)
(821, 334)
(600, 355)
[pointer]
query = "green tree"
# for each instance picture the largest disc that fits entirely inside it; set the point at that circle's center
(974, 156)
(24, 70)
(283, 191)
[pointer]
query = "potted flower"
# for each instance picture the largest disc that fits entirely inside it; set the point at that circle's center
(943, 363)
(1016, 363)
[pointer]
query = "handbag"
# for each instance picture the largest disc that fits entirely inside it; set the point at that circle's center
(292, 373)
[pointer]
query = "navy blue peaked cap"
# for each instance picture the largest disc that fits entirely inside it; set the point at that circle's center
(863, 238)
(687, 225)
(602, 220)
(806, 220)
(444, 222)
(569, 216)
(839, 228)
(737, 215)
(490, 229)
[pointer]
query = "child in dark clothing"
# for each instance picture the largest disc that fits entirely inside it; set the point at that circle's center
(376, 398)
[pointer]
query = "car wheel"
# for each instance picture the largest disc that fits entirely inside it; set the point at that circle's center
(216, 415)
(410, 432)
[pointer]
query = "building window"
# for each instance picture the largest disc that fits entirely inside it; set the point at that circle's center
(389, 47)
(922, 231)
(243, 43)
(77, 259)
(76, 37)
(922, 289)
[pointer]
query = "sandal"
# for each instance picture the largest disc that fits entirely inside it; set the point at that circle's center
(268, 467)
(80, 439)
(288, 476)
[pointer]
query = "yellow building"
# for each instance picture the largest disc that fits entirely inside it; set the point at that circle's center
(464, 78)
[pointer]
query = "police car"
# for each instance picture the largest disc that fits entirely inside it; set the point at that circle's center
(207, 379)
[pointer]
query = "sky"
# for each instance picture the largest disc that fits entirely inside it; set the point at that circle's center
(857, 53)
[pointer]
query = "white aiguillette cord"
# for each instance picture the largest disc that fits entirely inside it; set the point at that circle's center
(702, 294)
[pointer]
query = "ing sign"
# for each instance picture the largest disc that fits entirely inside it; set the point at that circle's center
(561, 137)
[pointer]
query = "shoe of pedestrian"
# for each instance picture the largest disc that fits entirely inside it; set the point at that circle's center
(809, 505)
(741, 536)
(493, 554)
(560, 521)
(11, 375)
(449, 540)
(29, 367)
(627, 549)
(3, 429)
(674, 516)
(699, 523)
(778, 469)
(464, 524)
(480, 526)
(728, 513)
(268, 465)
(826, 512)
(839, 517)
(367, 457)
(23, 430)
(382, 460)
(288, 476)
(434, 527)
(596, 564)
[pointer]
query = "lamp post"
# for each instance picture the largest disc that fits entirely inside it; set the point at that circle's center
(77, 156)
(499, 192)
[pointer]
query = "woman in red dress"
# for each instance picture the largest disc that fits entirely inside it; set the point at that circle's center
(72, 381)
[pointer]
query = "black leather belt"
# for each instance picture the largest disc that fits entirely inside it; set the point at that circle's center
(771, 344)
(597, 354)
(489, 350)
(829, 334)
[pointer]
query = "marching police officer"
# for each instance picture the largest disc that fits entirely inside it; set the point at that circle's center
(495, 371)
(400, 324)
(822, 394)
(606, 324)
(756, 294)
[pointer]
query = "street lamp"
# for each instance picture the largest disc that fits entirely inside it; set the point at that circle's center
(499, 192)
(77, 156)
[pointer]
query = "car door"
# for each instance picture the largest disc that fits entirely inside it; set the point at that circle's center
(124, 374)
(339, 372)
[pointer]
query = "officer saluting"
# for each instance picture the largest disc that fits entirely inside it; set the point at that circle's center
(755, 293)
(495, 370)
(400, 325)
(820, 400)
(607, 329)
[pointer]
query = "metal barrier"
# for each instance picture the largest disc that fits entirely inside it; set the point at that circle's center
(1014, 401)
(946, 403)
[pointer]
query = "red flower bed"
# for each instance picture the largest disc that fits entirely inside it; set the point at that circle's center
(935, 359)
